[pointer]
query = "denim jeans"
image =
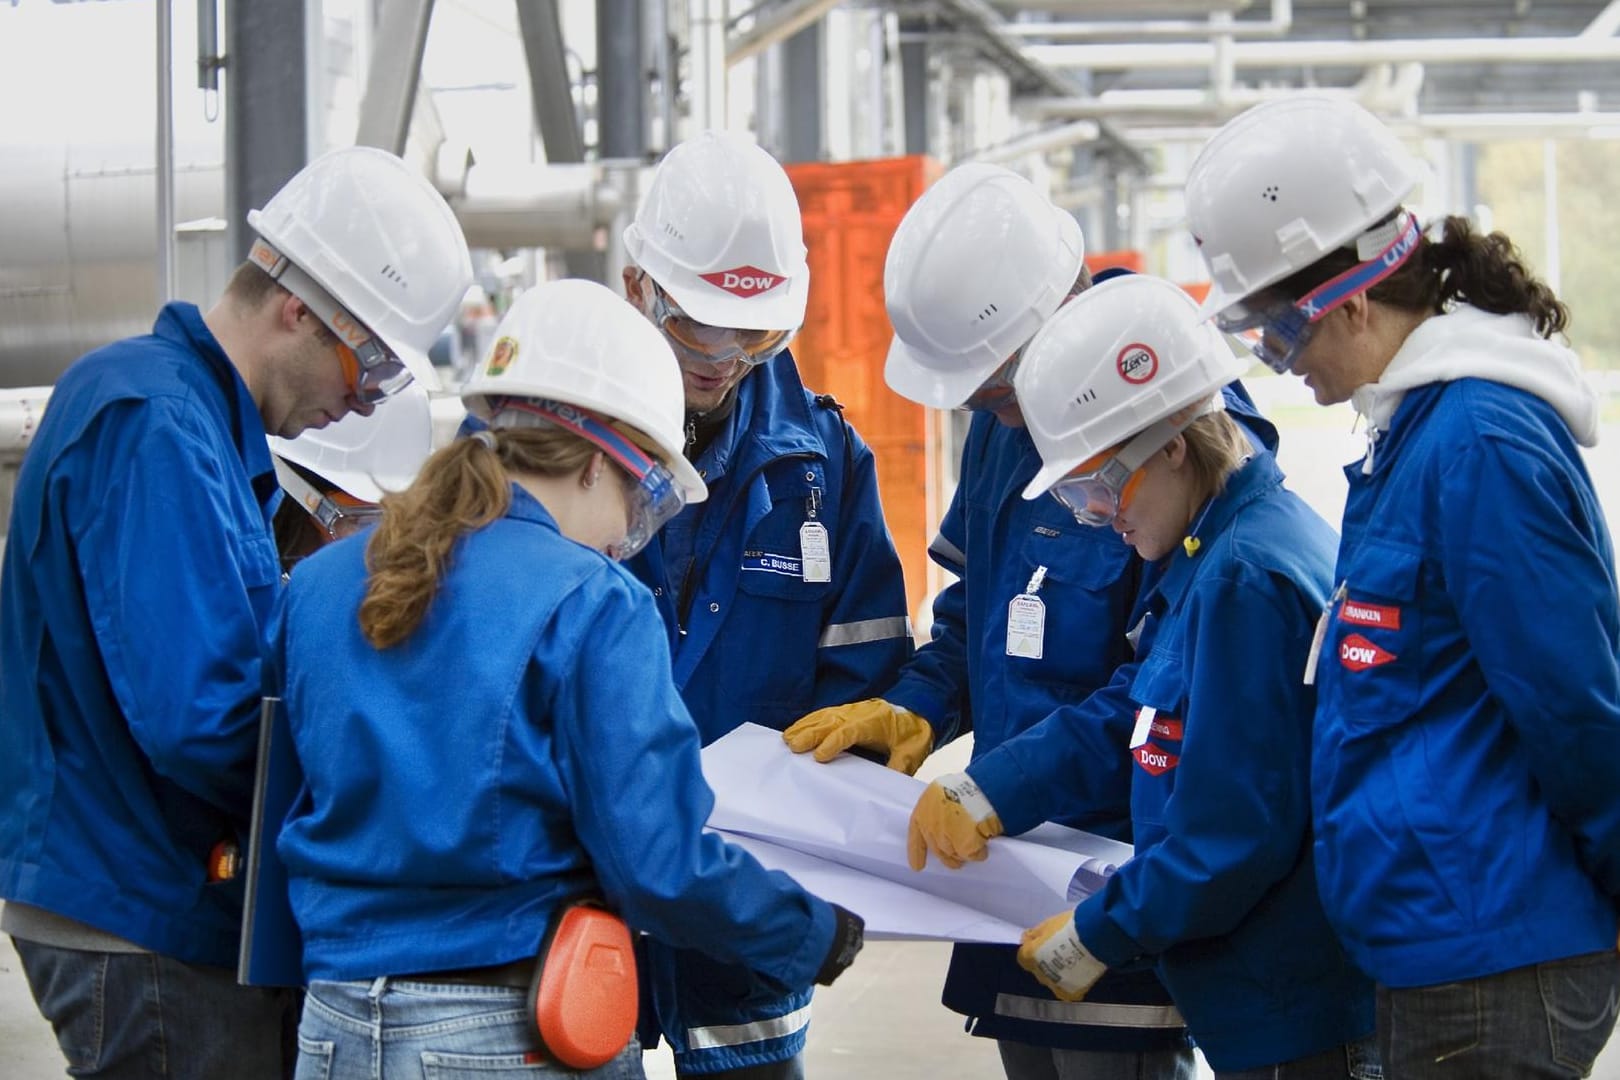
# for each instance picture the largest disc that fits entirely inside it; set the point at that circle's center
(1547, 1020)
(1353, 1061)
(1025, 1061)
(398, 1029)
(140, 1016)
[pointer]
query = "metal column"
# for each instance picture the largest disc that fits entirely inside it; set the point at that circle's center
(552, 95)
(396, 66)
(621, 87)
(265, 109)
(803, 138)
(914, 83)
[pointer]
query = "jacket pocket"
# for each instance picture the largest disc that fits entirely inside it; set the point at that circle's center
(1376, 638)
(1085, 594)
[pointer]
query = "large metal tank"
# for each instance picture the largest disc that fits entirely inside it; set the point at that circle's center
(78, 211)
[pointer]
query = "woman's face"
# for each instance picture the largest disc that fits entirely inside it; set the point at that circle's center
(1350, 348)
(1155, 519)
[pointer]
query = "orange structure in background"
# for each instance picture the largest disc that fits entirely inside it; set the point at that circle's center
(850, 213)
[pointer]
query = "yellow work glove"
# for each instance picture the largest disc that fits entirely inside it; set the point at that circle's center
(873, 723)
(1055, 955)
(954, 820)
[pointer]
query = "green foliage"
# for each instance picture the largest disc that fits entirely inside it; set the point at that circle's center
(1511, 184)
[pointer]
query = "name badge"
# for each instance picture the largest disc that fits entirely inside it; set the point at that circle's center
(1026, 627)
(815, 551)
(1144, 726)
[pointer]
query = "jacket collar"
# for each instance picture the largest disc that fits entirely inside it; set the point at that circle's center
(182, 324)
(1256, 478)
(773, 416)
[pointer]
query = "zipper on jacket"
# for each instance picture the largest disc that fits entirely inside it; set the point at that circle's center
(688, 590)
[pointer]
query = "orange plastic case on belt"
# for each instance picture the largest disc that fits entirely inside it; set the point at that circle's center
(584, 997)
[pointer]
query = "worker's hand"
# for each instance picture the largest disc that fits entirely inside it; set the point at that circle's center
(953, 819)
(873, 723)
(1055, 955)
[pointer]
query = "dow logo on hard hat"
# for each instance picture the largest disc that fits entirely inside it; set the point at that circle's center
(1137, 364)
(743, 281)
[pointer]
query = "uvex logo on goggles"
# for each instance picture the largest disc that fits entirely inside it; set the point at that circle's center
(744, 281)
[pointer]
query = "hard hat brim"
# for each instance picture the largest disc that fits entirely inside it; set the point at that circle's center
(910, 378)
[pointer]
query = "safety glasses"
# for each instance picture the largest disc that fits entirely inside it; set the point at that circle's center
(1097, 489)
(373, 372)
(371, 369)
(1278, 329)
(714, 344)
(337, 512)
(653, 497)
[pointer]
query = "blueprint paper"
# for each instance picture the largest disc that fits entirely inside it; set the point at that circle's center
(840, 830)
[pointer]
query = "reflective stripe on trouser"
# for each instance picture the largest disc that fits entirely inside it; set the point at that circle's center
(1097, 1014)
(864, 631)
(776, 1027)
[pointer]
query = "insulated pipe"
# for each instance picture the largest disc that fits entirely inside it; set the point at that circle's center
(776, 25)
(1282, 18)
(531, 205)
(1381, 90)
(1293, 54)
(20, 411)
(1039, 142)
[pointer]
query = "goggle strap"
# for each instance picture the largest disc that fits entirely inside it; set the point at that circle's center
(315, 503)
(367, 349)
(632, 458)
(1363, 276)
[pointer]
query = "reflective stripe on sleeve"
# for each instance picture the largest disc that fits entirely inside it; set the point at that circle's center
(1094, 1013)
(859, 633)
(708, 1038)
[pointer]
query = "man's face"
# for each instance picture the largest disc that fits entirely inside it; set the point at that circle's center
(713, 360)
(309, 387)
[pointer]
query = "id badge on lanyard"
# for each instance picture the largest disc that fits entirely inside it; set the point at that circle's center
(815, 550)
(1321, 633)
(1026, 620)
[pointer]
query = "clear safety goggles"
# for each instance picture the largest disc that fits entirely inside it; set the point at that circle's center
(371, 369)
(714, 344)
(337, 512)
(1278, 329)
(653, 496)
(1097, 489)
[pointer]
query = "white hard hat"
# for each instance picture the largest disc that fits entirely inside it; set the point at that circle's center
(719, 231)
(379, 239)
(1287, 182)
(1114, 361)
(367, 456)
(977, 264)
(580, 343)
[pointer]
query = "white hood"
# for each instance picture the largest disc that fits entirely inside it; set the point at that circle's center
(1472, 344)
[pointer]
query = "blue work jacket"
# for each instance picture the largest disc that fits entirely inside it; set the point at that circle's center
(1221, 893)
(753, 641)
(140, 579)
(993, 540)
(524, 746)
(1468, 730)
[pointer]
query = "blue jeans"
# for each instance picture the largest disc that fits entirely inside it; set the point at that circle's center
(1353, 1061)
(1547, 1020)
(140, 1016)
(398, 1029)
(1025, 1061)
